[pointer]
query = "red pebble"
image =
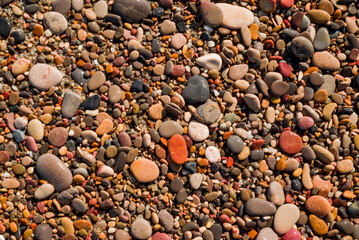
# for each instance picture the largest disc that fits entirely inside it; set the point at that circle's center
(290, 142)
(41, 206)
(305, 122)
(178, 71)
(224, 218)
(177, 148)
(160, 236)
(292, 234)
(286, 3)
(230, 162)
(285, 69)
(257, 144)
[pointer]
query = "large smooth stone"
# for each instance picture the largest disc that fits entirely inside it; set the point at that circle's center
(52, 169)
(55, 21)
(259, 207)
(290, 142)
(134, 10)
(169, 128)
(267, 234)
(235, 17)
(285, 217)
(211, 61)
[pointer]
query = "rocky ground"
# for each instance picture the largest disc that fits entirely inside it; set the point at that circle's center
(130, 119)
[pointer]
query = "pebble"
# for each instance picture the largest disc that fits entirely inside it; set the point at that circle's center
(56, 22)
(259, 207)
(301, 47)
(211, 14)
(169, 128)
(198, 132)
(323, 154)
(211, 61)
(276, 194)
(5, 28)
(52, 169)
(35, 129)
(235, 17)
(212, 154)
(70, 104)
(178, 149)
(44, 191)
(197, 90)
(141, 229)
(290, 142)
(285, 217)
(132, 10)
(43, 232)
(235, 144)
(144, 170)
(267, 234)
(325, 61)
(43, 76)
(318, 205)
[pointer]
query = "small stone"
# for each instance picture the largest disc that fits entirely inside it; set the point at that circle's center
(141, 229)
(20, 66)
(44, 191)
(259, 207)
(178, 149)
(35, 129)
(169, 128)
(96, 80)
(134, 10)
(267, 234)
(325, 61)
(166, 220)
(305, 122)
(302, 47)
(58, 136)
(43, 232)
(275, 193)
(318, 225)
(70, 104)
(323, 154)
(195, 180)
(144, 170)
(197, 90)
(211, 61)
(318, 205)
(318, 16)
(237, 72)
(212, 154)
(252, 101)
(43, 76)
(235, 144)
(198, 132)
(178, 41)
(267, 6)
(345, 166)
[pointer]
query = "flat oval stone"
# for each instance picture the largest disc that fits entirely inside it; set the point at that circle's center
(319, 226)
(325, 61)
(58, 136)
(292, 234)
(122, 235)
(211, 61)
(198, 132)
(279, 88)
(285, 217)
(275, 193)
(302, 47)
(177, 148)
(321, 40)
(345, 166)
(305, 122)
(52, 169)
(237, 72)
(169, 128)
(44, 191)
(318, 16)
(96, 80)
(267, 234)
(211, 14)
(144, 170)
(318, 205)
(290, 142)
(114, 94)
(235, 144)
(10, 183)
(43, 76)
(55, 21)
(197, 90)
(134, 10)
(323, 154)
(5, 28)
(259, 207)
(235, 17)
(35, 129)
(70, 104)
(252, 101)
(141, 229)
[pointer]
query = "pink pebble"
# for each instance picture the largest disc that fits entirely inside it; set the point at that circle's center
(292, 234)
(305, 122)
(224, 218)
(26, 161)
(160, 236)
(31, 144)
(286, 3)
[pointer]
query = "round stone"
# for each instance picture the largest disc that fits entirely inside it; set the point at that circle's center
(134, 10)
(212, 154)
(58, 136)
(169, 128)
(44, 191)
(141, 229)
(198, 132)
(275, 193)
(302, 47)
(305, 122)
(144, 170)
(279, 88)
(211, 14)
(43, 232)
(35, 129)
(285, 217)
(197, 90)
(43, 76)
(290, 142)
(318, 205)
(234, 17)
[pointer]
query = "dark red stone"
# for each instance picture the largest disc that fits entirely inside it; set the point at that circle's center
(290, 142)
(285, 69)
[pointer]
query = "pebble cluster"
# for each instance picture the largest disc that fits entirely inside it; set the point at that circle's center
(176, 119)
